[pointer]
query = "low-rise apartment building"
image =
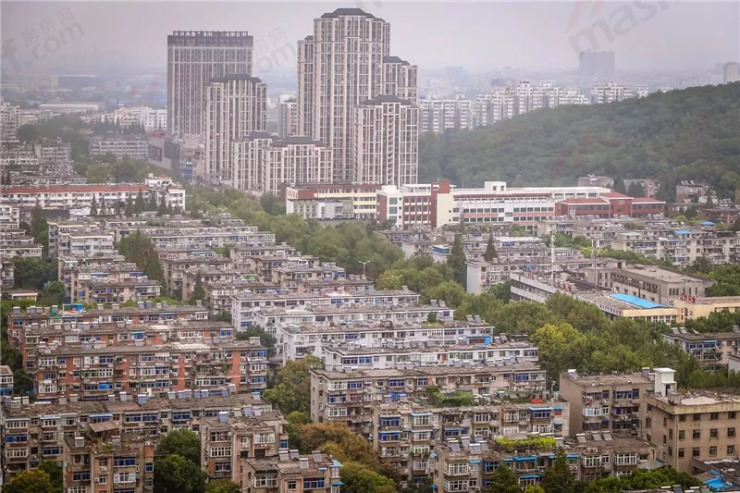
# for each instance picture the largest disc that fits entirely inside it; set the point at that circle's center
(406, 434)
(34, 432)
(76, 315)
(467, 465)
(347, 396)
(651, 283)
(131, 148)
(289, 471)
(243, 307)
(689, 426)
(92, 372)
(713, 349)
(392, 354)
(608, 402)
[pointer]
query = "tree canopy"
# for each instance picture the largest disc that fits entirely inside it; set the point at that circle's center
(139, 249)
(176, 474)
(30, 481)
(182, 442)
(291, 391)
(689, 134)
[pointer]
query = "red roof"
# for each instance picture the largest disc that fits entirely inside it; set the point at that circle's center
(597, 201)
(77, 188)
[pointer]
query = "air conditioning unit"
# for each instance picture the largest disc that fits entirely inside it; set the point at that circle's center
(103, 469)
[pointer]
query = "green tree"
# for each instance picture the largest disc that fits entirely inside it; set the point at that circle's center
(129, 210)
(139, 203)
(53, 294)
(504, 480)
(223, 486)
(338, 440)
(490, 252)
(502, 291)
(636, 190)
(558, 478)
(358, 478)
(40, 227)
(182, 442)
(266, 339)
(296, 420)
(33, 273)
(224, 317)
(448, 291)
(30, 481)
(139, 249)
(199, 292)
(162, 208)
(456, 261)
(292, 388)
(152, 201)
(619, 186)
(176, 474)
(56, 475)
(28, 134)
(559, 348)
(94, 207)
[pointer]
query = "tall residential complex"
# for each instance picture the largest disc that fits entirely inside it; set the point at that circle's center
(385, 142)
(345, 63)
(262, 163)
(194, 58)
(236, 106)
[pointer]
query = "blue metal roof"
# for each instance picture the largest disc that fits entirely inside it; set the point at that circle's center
(634, 300)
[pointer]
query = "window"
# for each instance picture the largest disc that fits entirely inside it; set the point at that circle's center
(730, 432)
(697, 417)
(713, 433)
(695, 452)
(731, 415)
(714, 416)
(681, 434)
(680, 452)
(696, 434)
(730, 450)
(81, 476)
(313, 483)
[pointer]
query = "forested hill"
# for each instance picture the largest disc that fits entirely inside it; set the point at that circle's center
(691, 134)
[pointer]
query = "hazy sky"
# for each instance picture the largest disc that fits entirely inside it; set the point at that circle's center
(539, 35)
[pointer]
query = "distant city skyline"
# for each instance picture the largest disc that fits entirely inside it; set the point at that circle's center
(113, 37)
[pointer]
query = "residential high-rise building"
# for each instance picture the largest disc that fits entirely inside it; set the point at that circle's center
(194, 59)
(287, 117)
(346, 62)
(438, 115)
(262, 163)
(236, 106)
(385, 140)
(400, 78)
(9, 122)
(731, 72)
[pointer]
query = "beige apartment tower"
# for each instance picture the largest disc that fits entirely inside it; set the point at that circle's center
(236, 106)
(343, 64)
(194, 59)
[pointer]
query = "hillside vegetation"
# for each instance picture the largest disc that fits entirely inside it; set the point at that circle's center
(691, 134)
